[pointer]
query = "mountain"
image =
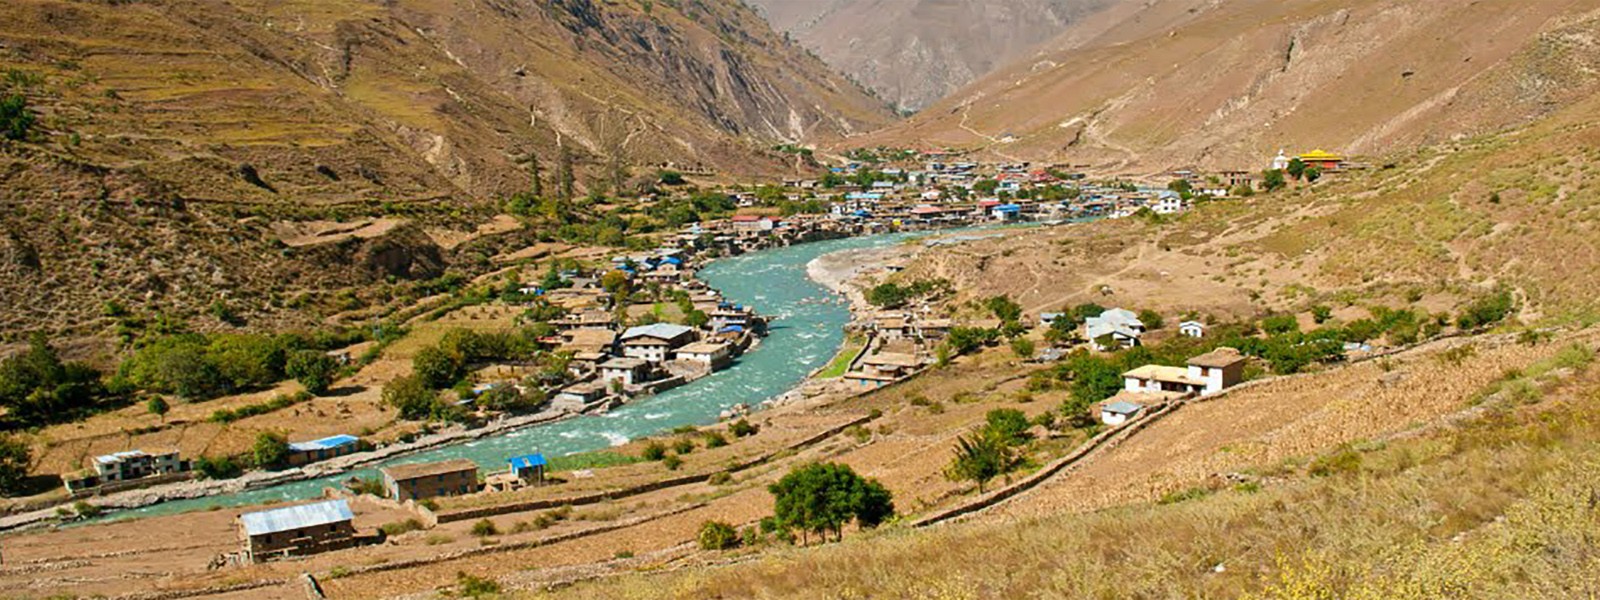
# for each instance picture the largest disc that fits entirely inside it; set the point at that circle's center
(1173, 83)
(915, 52)
(176, 141)
(412, 99)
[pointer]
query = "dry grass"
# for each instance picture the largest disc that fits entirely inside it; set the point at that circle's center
(1419, 518)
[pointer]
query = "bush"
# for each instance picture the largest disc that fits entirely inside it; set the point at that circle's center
(1486, 311)
(1321, 313)
(1022, 347)
(715, 439)
(672, 462)
(472, 586)
(16, 121)
(743, 428)
(484, 528)
(399, 527)
(1151, 319)
(1280, 324)
(683, 446)
(716, 535)
(222, 467)
(654, 451)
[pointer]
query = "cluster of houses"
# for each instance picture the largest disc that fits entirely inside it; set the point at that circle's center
(1204, 375)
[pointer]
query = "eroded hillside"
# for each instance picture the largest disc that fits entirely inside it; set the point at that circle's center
(1226, 84)
(172, 141)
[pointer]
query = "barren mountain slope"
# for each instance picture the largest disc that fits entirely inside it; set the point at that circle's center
(413, 99)
(176, 138)
(915, 52)
(1226, 84)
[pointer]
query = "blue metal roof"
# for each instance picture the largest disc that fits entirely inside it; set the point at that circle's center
(1008, 208)
(327, 443)
(731, 329)
(296, 517)
(527, 461)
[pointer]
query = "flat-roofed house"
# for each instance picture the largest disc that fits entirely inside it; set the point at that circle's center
(655, 342)
(301, 453)
(1220, 369)
(883, 368)
(418, 481)
(713, 355)
(629, 371)
(297, 530)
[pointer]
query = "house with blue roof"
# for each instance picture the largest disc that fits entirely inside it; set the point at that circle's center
(525, 470)
(301, 453)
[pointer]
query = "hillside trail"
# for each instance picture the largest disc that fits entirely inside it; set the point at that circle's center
(1103, 280)
(966, 111)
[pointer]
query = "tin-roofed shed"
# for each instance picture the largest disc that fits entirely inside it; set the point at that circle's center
(297, 530)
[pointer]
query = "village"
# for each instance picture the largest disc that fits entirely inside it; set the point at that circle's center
(635, 324)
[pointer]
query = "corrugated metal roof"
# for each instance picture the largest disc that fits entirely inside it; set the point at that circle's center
(1122, 408)
(527, 461)
(327, 443)
(296, 517)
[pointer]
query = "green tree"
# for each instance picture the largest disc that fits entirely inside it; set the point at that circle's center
(15, 459)
(1004, 308)
(271, 450)
(887, 295)
(437, 368)
(247, 361)
(1008, 425)
(157, 406)
(1280, 324)
(1272, 180)
(967, 339)
(535, 177)
(1296, 168)
(177, 364)
(415, 400)
(565, 177)
(822, 497)
(696, 318)
(16, 121)
(980, 458)
(1313, 173)
(37, 387)
(313, 369)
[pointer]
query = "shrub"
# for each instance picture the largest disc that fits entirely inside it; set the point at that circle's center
(1321, 313)
(16, 121)
(1280, 324)
(672, 462)
(86, 510)
(743, 428)
(683, 446)
(414, 399)
(1486, 311)
(484, 528)
(399, 527)
(715, 439)
(654, 451)
(472, 586)
(15, 457)
(217, 468)
(720, 478)
(716, 535)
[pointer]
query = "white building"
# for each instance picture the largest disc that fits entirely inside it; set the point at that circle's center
(1115, 327)
(656, 342)
(1117, 413)
(1194, 329)
(1205, 375)
(711, 354)
(629, 371)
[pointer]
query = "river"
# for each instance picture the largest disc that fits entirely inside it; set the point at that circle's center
(805, 333)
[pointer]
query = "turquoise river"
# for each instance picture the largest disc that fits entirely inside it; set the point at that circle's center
(806, 332)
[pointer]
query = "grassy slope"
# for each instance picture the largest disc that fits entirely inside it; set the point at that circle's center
(1499, 508)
